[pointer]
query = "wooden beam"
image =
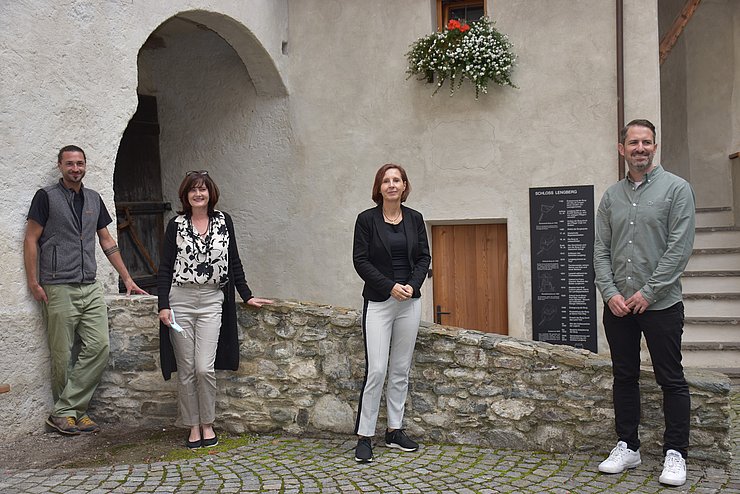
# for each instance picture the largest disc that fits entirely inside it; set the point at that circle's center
(679, 24)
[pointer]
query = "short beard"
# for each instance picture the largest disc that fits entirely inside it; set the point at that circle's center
(642, 167)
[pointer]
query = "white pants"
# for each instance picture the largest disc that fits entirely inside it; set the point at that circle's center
(390, 329)
(198, 310)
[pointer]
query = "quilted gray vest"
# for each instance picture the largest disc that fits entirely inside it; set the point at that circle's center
(67, 245)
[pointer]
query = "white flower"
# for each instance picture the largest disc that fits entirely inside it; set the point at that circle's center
(480, 55)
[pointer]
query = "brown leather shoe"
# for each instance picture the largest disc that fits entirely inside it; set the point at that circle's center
(63, 425)
(86, 424)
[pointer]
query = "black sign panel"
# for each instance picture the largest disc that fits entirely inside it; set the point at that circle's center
(563, 291)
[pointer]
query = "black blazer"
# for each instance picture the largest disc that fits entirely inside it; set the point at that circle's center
(371, 252)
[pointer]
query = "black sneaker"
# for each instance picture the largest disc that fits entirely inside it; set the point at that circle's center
(399, 440)
(364, 450)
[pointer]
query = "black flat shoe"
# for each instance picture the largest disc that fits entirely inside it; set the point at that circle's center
(193, 444)
(207, 443)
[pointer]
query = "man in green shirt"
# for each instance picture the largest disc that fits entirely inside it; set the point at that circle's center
(644, 238)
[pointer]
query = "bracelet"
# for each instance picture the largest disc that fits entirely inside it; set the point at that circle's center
(111, 250)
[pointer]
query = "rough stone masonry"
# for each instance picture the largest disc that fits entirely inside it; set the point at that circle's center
(302, 366)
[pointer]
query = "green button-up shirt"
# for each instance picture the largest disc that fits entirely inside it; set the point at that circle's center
(644, 238)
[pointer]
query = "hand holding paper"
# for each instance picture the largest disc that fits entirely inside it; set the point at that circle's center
(176, 326)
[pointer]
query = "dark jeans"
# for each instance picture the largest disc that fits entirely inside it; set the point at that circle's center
(662, 330)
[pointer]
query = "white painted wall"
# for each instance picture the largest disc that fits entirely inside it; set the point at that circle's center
(701, 108)
(353, 110)
(294, 139)
(674, 142)
(709, 94)
(735, 12)
(211, 118)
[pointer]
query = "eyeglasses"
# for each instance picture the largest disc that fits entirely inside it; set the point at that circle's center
(197, 172)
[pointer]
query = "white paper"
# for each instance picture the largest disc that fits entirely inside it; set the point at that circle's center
(176, 326)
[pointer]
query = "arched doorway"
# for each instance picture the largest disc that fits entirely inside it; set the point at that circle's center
(137, 186)
(202, 77)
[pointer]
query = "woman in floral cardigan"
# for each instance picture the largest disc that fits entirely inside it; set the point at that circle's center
(199, 270)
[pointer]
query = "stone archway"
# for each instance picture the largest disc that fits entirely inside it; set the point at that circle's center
(262, 67)
(214, 89)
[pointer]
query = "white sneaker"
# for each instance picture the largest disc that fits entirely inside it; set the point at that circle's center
(674, 469)
(620, 459)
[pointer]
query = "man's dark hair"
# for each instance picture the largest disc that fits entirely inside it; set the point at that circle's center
(70, 149)
(640, 122)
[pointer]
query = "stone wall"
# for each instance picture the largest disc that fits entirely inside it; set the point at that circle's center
(302, 366)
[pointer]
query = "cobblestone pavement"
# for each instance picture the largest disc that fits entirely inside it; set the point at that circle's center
(300, 465)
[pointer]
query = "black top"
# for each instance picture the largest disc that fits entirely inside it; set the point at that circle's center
(397, 241)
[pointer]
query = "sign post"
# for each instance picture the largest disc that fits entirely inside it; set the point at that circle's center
(562, 244)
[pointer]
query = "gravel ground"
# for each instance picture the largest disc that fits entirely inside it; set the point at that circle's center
(114, 444)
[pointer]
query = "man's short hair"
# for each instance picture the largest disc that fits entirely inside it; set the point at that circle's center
(639, 122)
(70, 149)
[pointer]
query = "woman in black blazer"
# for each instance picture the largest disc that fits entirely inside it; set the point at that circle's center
(391, 255)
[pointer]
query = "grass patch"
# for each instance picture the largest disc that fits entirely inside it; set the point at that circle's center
(225, 443)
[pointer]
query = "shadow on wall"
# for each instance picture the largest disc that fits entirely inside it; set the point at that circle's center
(302, 366)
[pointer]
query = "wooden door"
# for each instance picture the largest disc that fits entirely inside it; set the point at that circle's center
(469, 273)
(137, 186)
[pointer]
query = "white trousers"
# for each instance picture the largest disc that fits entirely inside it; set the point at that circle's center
(198, 310)
(390, 330)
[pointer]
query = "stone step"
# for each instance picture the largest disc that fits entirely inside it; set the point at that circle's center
(711, 282)
(706, 346)
(711, 358)
(716, 357)
(711, 343)
(711, 355)
(711, 329)
(717, 237)
(710, 305)
(721, 216)
(714, 260)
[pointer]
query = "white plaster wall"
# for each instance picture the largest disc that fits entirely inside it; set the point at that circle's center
(735, 12)
(353, 110)
(69, 76)
(701, 108)
(674, 143)
(211, 118)
(711, 71)
(641, 67)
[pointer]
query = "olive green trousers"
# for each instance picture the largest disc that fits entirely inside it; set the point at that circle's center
(76, 313)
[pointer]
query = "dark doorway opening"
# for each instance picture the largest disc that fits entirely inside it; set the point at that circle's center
(137, 187)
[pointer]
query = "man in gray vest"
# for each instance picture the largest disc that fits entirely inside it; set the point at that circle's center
(59, 255)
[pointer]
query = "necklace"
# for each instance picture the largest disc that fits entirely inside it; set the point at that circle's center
(392, 221)
(201, 239)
